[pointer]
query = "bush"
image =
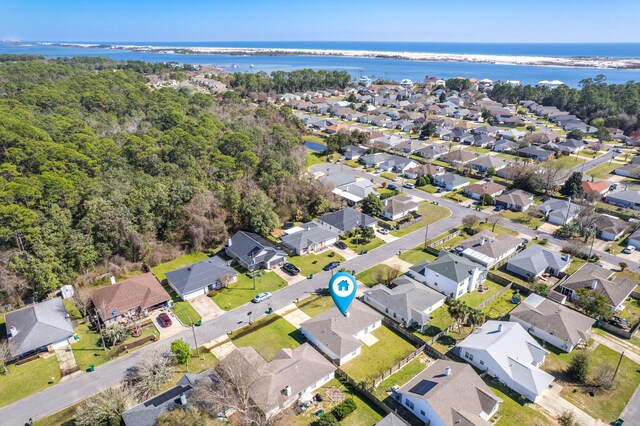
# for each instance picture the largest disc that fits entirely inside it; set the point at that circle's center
(327, 419)
(342, 410)
(566, 419)
(579, 367)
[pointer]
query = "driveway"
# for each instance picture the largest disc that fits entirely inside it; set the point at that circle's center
(293, 315)
(395, 261)
(631, 413)
(347, 253)
(556, 405)
(206, 307)
(221, 346)
(172, 330)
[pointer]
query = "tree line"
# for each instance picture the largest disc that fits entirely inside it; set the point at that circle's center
(293, 81)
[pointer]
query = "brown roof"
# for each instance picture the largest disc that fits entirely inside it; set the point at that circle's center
(595, 187)
(142, 291)
(482, 188)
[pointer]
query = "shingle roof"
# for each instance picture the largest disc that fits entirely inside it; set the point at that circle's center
(482, 188)
(487, 161)
(398, 204)
(486, 243)
(535, 259)
(516, 197)
(38, 325)
(198, 275)
(616, 290)
(452, 179)
(248, 246)
(142, 291)
(311, 233)
(347, 219)
(454, 267)
(336, 331)
(391, 420)
(597, 186)
(459, 156)
(625, 195)
(606, 223)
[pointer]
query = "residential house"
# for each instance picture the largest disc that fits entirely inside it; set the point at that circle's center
(398, 164)
(459, 157)
(349, 187)
(480, 140)
(291, 377)
(503, 145)
(340, 336)
(199, 278)
(552, 322)
(346, 220)
(610, 228)
(133, 297)
(504, 350)
(536, 153)
(536, 260)
(628, 170)
(353, 152)
(595, 188)
(559, 212)
(625, 198)
(432, 152)
(409, 146)
(449, 274)
(251, 251)
(450, 181)
(486, 162)
(308, 238)
(423, 170)
(480, 188)
(38, 327)
(391, 419)
(449, 393)
(516, 200)
(634, 239)
(512, 134)
(406, 301)
(598, 279)
(398, 206)
(375, 159)
(571, 146)
(487, 249)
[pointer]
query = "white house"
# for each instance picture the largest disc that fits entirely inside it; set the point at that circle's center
(449, 274)
(487, 249)
(504, 350)
(309, 237)
(398, 206)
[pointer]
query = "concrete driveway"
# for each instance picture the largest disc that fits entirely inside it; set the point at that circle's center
(290, 279)
(175, 328)
(293, 315)
(221, 346)
(347, 253)
(556, 405)
(206, 307)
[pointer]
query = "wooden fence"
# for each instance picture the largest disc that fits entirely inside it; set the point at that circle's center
(494, 297)
(344, 377)
(625, 334)
(445, 238)
(398, 366)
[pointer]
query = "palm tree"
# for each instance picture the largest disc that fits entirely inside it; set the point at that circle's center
(475, 318)
(116, 333)
(459, 311)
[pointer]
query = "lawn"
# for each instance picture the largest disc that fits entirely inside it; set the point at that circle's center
(631, 311)
(384, 191)
(186, 259)
(440, 319)
(313, 263)
(374, 360)
(567, 161)
(445, 343)
(313, 157)
(389, 175)
(498, 229)
(522, 218)
(352, 163)
(603, 170)
(400, 377)
(240, 292)
(27, 379)
(416, 254)
(511, 411)
(576, 263)
(474, 298)
(500, 307)
(267, 336)
(431, 213)
(367, 277)
(429, 189)
(356, 245)
(315, 138)
(185, 312)
(316, 304)
(608, 404)
(456, 197)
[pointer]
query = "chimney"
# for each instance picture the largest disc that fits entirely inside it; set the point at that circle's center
(287, 390)
(594, 284)
(447, 370)
(499, 327)
(13, 331)
(113, 279)
(183, 399)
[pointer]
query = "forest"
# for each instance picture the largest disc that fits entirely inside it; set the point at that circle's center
(617, 104)
(99, 173)
(293, 81)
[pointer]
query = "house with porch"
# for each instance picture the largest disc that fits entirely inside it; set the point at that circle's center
(398, 206)
(252, 252)
(536, 260)
(308, 238)
(449, 274)
(199, 278)
(450, 181)
(516, 200)
(347, 219)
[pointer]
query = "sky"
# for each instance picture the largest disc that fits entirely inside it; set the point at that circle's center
(492, 21)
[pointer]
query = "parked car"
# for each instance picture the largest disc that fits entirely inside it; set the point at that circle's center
(392, 187)
(383, 231)
(340, 245)
(261, 297)
(376, 171)
(164, 319)
(629, 249)
(291, 268)
(397, 179)
(618, 150)
(331, 265)
(409, 185)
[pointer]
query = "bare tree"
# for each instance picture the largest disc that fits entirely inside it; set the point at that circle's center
(494, 220)
(83, 300)
(470, 221)
(225, 280)
(5, 355)
(105, 408)
(146, 378)
(392, 273)
(551, 174)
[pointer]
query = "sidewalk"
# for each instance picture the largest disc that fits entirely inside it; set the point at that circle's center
(617, 345)
(556, 405)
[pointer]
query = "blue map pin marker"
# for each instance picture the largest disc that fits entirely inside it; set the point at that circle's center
(342, 287)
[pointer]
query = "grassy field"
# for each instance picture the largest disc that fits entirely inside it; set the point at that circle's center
(316, 304)
(367, 277)
(267, 336)
(576, 263)
(313, 157)
(389, 175)
(500, 307)
(352, 163)
(567, 161)
(185, 312)
(603, 171)
(187, 259)
(27, 379)
(431, 213)
(242, 291)
(474, 298)
(522, 218)
(440, 319)
(402, 376)
(512, 412)
(313, 263)
(445, 343)
(374, 360)
(429, 189)
(416, 254)
(356, 245)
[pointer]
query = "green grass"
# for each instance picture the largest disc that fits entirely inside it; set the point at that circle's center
(416, 254)
(383, 190)
(608, 404)
(522, 218)
(456, 197)
(313, 157)
(498, 229)
(187, 259)
(603, 171)
(185, 312)
(474, 298)
(501, 306)
(389, 175)
(400, 377)
(356, 245)
(63, 417)
(576, 263)
(631, 311)
(71, 309)
(478, 149)
(513, 412)
(352, 163)
(429, 189)
(240, 292)
(314, 305)
(200, 360)
(431, 213)
(567, 161)
(313, 263)
(367, 277)
(27, 379)
(315, 138)
(445, 343)
(270, 338)
(374, 360)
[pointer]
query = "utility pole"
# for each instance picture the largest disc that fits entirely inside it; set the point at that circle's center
(195, 341)
(593, 236)
(617, 367)
(568, 211)
(104, 347)
(426, 233)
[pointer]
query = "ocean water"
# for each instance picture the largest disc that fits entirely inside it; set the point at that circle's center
(393, 69)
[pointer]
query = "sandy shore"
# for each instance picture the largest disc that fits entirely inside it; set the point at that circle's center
(589, 62)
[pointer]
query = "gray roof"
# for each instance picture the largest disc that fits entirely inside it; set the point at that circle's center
(559, 209)
(398, 204)
(339, 179)
(391, 420)
(336, 331)
(199, 275)
(311, 233)
(616, 291)
(432, 151)
(458, 398)
(486, 243)
(347, 219)
(516, 197)
(449, 265)
(535, 151)
(452, 179)
(535, 259)
(408, 298)
(606, 223)
(487, 161)
(38, 325)
(626, 196)
(556, 319)
(248, 246)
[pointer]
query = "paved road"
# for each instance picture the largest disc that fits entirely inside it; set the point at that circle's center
(585, 167)
(76, 388)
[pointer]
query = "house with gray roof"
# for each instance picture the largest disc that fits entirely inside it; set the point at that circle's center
(38, 327)
(254, 252)
(634, 239)
(535, 152)
(486, 162)
(308, 238)
(353, 152)
(615, 290)
(571, 146)
(536, 260)
(449, 274)
(398, 163)
(391, 419)
(459, 156)
(504, 350)
(559, 212)
(625, 198)
(346, 219)
(406, 301)
(516, 200)
(450, 181)
(199, 278)
(339, 336)
(432, 151)
(552, 322)
(449, 393)
(487, 249)
(610, 228)
(398, 206)
(423, 170)
(503, 145)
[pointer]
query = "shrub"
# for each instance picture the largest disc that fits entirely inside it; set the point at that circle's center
(327, 419)
(342, 410)
(566, 419)
(579, 367)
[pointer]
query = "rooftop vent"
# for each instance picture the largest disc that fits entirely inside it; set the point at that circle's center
(447, 370)
(499, 328)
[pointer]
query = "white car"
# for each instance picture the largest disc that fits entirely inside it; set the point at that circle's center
(261, 297)
(629, 249)
(397, 179)
(383, 231)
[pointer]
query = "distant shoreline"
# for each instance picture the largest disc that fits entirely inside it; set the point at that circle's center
(581, 62)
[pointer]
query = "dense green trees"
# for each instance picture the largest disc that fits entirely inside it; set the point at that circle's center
(293, 81)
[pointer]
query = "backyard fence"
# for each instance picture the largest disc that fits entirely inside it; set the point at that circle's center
(415, 341)
(416, 219)
(344, 377)
(445, 238)
(502, 291)
(398, 366)
(625, 334)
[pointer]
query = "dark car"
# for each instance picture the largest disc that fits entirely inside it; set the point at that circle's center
(392, 187)
(291, 268)
(164, 320)
(331, 265)
(340, 245)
